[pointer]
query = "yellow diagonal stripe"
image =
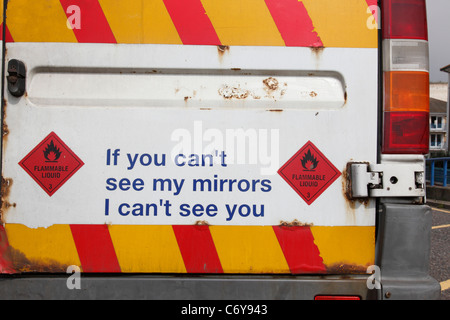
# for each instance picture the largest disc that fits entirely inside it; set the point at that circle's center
(38, 21)
(342, 23)
(49, 249)
(445, 285)
(146, 248)
(441, 226)
(136, 21)
(243, 22)
(345, 245)
(248, 249)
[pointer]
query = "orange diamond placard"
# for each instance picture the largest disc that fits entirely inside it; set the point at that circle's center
(309, 172)
(51, 163)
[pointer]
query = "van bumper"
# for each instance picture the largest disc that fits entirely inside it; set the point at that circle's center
(176, 287)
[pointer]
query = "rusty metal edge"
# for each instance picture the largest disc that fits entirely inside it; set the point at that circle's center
(175, 287)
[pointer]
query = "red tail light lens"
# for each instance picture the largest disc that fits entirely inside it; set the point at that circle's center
(406, 132)
(405, 19)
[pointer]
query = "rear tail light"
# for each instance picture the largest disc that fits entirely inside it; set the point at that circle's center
(406, 77)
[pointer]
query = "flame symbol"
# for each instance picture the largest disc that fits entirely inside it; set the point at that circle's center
(52, 153)
(309, 162)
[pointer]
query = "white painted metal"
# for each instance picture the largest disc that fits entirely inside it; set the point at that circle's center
(165, 100)
(403, 176)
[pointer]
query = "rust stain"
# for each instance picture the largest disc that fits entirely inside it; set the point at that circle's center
(340, 268)
(347, 182)
(5, 129)
(295, 223)
(201, 223)
(23, 264)
(317, 50)
(5, 190)
(317, 53)
(275, 110)
(221, 50)
(347, 190)
(6, 265)
(271, 83)
(313, 94)
(187, 98)
(228, 92)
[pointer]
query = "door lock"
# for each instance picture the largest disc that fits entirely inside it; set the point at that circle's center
(16, 77)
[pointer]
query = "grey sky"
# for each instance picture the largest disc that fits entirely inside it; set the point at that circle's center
(438, 12)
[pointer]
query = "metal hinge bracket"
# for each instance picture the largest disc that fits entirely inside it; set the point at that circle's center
(393, 178)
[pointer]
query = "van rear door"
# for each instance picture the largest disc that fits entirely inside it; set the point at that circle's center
(188, 137)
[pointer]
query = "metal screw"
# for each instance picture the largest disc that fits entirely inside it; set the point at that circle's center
(387, 294)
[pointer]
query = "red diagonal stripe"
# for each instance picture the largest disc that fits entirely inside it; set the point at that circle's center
(197, 249)
(95, 248)
(192, 22)
(6, 265)
(300, 251)
(8, 37)
(94, 27)
(372, 2)
(294, 23)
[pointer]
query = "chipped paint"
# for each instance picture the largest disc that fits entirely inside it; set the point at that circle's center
(201, 223)
(5, 129)
(317, 53)
(295, 223)
(6, 184)
(233, 92)
(222, 50)
(24, 264)
(271, 83)
(347, 188)
(346, 268)
(6, 265)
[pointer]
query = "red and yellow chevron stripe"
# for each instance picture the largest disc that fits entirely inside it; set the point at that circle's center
(187, 249)
(305, 23)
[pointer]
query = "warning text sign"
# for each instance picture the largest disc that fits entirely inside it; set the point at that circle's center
(309, 172)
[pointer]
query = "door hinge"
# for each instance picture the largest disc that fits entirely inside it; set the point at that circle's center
(390, 179)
